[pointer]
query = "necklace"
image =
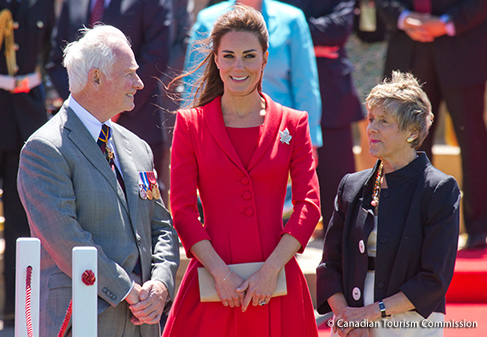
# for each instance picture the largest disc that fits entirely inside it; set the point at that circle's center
(375, 194)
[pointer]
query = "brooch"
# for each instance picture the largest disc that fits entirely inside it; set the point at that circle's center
(285, 136)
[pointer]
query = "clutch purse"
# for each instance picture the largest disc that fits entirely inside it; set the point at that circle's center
(244, 270)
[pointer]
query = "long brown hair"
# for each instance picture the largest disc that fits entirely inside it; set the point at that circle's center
(241, 18)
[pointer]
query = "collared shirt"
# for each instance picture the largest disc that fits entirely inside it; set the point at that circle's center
(94, 126)
(291, 74)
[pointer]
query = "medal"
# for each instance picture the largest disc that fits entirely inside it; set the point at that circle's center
(153, 185)
(142, 192)
(149, 195)
(156, 192)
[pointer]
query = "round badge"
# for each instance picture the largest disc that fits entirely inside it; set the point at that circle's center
(142, 193)
(149, 195)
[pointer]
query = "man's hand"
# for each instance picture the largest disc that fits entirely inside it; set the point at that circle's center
(133, 296)
(151, 301)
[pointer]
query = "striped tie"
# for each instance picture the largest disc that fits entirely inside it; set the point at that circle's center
(103, 138)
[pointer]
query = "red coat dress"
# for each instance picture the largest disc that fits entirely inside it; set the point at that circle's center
(243, 217)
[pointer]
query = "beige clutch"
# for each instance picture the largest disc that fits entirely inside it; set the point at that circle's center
(244, 270)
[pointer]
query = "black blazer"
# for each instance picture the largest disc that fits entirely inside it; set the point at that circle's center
(416, 247)
(459, 60)
(148, 24)
(331, 23)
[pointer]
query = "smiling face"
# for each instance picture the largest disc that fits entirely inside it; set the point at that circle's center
(241, 62)
(386, 140)
(123, 82)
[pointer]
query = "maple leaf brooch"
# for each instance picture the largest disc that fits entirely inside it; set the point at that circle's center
(285, 136)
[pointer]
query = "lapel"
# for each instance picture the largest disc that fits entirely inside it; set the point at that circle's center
(82, 139)
(214, 121)
(129, 171)
(272, 121)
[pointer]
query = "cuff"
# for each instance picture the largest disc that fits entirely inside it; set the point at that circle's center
(400, 20)
(450, 26)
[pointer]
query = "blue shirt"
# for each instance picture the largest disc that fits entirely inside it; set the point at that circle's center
(291, 75)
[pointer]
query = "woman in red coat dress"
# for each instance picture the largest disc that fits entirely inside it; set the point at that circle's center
(237, 148)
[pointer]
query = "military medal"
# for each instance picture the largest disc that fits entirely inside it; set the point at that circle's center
(109, 153)
(142, 192)
(153, 185)
(149, 194)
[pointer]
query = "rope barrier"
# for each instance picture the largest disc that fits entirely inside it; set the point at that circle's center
(89, 279)
(28, 289)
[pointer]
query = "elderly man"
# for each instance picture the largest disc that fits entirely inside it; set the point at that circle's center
(86, 181)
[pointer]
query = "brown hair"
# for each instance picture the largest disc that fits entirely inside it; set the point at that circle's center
(241, 18)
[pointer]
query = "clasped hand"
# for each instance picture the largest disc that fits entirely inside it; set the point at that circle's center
(258, 288)
(147, 302)
(424, 27)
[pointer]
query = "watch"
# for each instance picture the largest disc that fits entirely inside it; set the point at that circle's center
(382, 308)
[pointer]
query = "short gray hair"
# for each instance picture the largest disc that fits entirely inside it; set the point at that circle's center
(402, 98)
(95, 49)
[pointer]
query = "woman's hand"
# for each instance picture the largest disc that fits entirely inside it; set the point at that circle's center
(349, 314)
(258, 288)
(227, 290)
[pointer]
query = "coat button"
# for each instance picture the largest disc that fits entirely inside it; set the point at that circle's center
(361, 246)
(245, 180)
(356, 293)
(249, 211)
(40, 24)
(380, 285)
(247, 195)
(383, 239)
(385, 194)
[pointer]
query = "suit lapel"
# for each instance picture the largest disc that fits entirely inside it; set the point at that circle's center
(269, 133)
(82, 139)
(214, 121)
(129, 171)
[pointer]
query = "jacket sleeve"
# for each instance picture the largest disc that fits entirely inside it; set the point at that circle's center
(427, 288)
(334, 28)
(329, 271)
(184, 176)
(305, 187)
(47, 193)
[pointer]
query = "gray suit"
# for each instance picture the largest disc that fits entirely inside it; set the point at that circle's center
(72, 198)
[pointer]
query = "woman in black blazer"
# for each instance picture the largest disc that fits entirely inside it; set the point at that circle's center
(388, 265)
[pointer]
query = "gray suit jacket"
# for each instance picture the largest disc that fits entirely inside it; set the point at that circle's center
(72, 198)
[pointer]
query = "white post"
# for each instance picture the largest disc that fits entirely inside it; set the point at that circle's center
(84, 296)
(28, 255)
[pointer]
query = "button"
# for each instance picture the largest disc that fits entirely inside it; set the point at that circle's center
(40, 24)
(114, 297)
(385, 194)
(356, 293)
(247, 195)
(245, 180)
(361, 246)
(380, 285)
(249, 211)
(16, 25)
(383, 239)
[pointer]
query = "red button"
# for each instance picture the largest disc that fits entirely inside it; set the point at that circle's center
(245, 180)
(247, 195)
(249, 211)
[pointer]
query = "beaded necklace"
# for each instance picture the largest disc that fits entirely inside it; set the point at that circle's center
(375, 194)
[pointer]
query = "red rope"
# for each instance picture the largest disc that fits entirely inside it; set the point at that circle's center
(89, 279)
(28, 317)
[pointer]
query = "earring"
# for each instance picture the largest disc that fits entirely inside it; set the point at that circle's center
(410, 139)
